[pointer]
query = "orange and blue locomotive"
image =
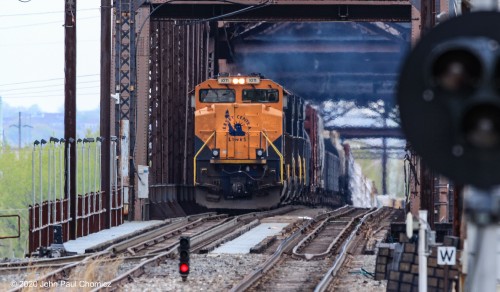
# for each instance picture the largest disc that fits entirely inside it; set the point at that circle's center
(253, 146)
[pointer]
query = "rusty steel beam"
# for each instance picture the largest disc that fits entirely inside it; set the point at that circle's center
(415, 25)
(427, 176)
(427, 15)
(314, 47)
(371, 11)
(124, 38)
(155, 128)
(367, 132)
(179, 61)
(142, 96)
(125, 85)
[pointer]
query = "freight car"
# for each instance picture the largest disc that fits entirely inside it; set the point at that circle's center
(257, 145)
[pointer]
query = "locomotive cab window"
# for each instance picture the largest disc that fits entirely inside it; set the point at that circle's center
(260, 95)
(217, 95)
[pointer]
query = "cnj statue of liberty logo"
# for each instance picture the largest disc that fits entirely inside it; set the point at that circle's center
(236, 128)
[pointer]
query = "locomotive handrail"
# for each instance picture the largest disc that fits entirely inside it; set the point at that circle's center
(279, 154)
(198, 153)
(305, 171)
(300, 169)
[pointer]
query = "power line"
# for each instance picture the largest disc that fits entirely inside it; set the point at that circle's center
(44, 86)
(49, 96)
(45, 80)
(51, 90)
(46, 12)
(43, 43)
(43, 23)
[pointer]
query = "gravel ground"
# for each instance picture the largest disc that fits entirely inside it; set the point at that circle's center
(350, 278)
(209, 272)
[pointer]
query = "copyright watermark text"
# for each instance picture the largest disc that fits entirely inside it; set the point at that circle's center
(56, 284)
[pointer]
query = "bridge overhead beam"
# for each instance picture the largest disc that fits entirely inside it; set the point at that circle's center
(314, 47)
(321, 89)
(287, 10)
(368, 77)
(299, 66)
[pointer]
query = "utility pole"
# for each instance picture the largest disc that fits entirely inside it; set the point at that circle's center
(19, 126)
(105, 104)
(70, 107)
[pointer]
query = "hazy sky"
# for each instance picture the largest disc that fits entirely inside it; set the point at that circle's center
(32, 53)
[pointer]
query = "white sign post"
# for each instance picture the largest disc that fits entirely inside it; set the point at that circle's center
(446, 255)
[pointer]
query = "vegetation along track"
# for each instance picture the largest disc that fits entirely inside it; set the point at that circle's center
(313, 254)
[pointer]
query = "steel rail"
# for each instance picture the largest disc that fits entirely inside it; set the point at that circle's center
(146, 243)
(66, 270)
(22, 264)
(198, 241)
(54, 265)
(325, 282)
(310, 237)
(249, 280)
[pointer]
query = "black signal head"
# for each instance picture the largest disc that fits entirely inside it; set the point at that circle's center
(449, 98)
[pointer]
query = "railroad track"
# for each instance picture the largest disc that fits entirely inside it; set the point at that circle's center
(312, 255)
(374, 229)
(135, 260)
(62, 269)
(204, 238)
(166, 241)
(318, 244)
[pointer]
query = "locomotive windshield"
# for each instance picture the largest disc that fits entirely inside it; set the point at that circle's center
(260, 95)
(217, 95)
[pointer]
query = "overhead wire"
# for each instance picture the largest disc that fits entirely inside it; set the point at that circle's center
(44, 86)
(43, 43)
(48, 96)
(246, 9)
(44, 91)
(43, 13)
(43, 23)
(45, 80)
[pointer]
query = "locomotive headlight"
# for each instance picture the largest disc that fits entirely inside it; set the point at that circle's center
(238, 80)
(215, 152)
(259, 152)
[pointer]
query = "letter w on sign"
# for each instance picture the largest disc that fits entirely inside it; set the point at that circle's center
(446, 255)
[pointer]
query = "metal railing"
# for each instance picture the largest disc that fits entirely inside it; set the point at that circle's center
(49, 203)
(2, 236)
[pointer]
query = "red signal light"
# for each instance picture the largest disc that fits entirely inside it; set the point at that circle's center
(184, 268)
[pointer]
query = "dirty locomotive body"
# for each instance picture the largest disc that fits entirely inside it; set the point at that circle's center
(258, 145)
